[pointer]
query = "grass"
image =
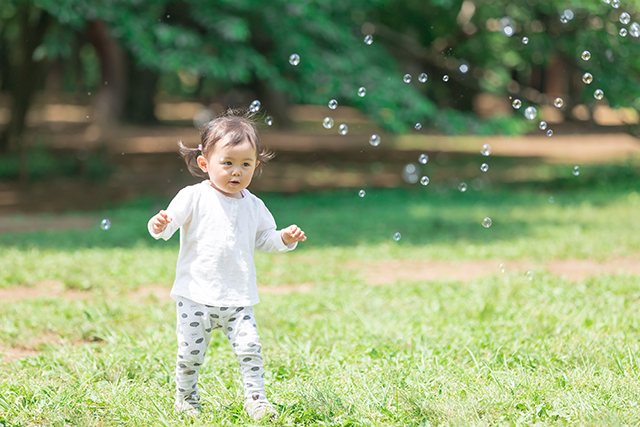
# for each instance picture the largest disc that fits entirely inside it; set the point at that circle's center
(498, 350)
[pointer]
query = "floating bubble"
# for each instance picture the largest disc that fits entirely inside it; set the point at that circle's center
(374, 140)
(424, 180)
(563, 19)
(542, 125)
(294, 59)
(361, 193)
(410, 173)
(343, 129)
(634, 30)
(558, 102)
(486, 223)
(623, 32)
(549, 133)
(530, 113)
(486, 150)
(422, 78)
(255, 106)
(615, 4)
(327, 123)
(484, 167)
(423, 159)
(333, 104)
(625, 18)
(368, 39)
(586, 55)
(462, 187)
(576, 171)
(268, 120)
(362, 92)
(598, 94)
(406, 78)
(418, 126)
(529, 275)
(397, 237)
(502, 267)
(105, 224)
(516, 104)
(525, 40)
(464, 68)
(607, 1)
(551, 199)
(508, 30)
(445, 78)
(568, 14)
(587, 78)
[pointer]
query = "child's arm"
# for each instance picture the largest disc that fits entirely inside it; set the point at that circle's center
(159, 222)
(292, 234)
(163, 224)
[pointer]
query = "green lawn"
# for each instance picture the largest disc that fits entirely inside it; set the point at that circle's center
(499, 350)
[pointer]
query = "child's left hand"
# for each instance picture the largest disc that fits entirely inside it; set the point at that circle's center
(292, 234)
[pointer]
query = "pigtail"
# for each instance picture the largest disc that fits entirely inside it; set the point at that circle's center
(190, 155)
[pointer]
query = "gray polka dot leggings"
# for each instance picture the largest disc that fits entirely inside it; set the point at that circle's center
(195, 323)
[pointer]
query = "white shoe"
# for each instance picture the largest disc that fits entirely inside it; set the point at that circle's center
(260, 410)
(191, 409)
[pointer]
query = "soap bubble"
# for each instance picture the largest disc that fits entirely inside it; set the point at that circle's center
(551, 199)
(529, 275)
(598, 94)
(333, 104)
(368, 39)
(558, 102)
(397, 237)
(586, 55)
(422, 78)
(484, 167)
(563, 19)
(587, 78)
(576, 171)
(294, 59)
(374, 140)
(634, 30)
(525, 40)
(542, 125)
(327, 123)
(502, 267)
(343, 129)
(549, 132)
(625, 18)
(406, 78)
(424, 180)
(445, 78)
(418, 126)
(361, 193)
(568, 14)
(255, 106)
(530, 113)
(516, 104)
(508, 30)
(410, 173)
(464, 68)
(462, 187)
(423, 159)
(615, 4)
(362, 92)
(268, 120)
(623, 32)
(105, 224)
(607, 1)
(486, 150)
(486, 223)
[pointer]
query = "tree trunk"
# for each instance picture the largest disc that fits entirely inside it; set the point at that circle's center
(109, 101)
(140, 104)
(25, 75)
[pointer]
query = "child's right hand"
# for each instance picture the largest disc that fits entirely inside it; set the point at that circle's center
(160, 221)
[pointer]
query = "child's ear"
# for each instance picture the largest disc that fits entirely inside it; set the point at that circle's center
(202, 163)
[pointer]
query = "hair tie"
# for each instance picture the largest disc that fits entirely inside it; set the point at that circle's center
(200, 147)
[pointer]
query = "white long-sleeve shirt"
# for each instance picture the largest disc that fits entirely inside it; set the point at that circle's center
(218, 237)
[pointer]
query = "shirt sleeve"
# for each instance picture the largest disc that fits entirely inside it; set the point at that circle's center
(268, 239)
(179, 210)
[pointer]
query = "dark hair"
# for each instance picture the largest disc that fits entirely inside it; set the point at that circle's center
(235, 125)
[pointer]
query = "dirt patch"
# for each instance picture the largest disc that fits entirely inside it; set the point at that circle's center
(49, 289)
(380, 273)
(28, 349)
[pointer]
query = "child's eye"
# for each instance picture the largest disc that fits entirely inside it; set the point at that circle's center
(228, 163)
(247, 164)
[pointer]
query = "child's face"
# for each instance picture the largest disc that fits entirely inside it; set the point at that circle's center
(230, 169)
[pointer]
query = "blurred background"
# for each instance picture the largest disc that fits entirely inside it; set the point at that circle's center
(95, 95)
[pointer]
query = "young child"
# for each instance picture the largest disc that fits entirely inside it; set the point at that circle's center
(221, 224)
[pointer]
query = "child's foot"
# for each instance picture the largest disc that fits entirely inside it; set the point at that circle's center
(191, 409)
(260, 410)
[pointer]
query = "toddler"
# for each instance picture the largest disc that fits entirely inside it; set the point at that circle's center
(221, 224)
